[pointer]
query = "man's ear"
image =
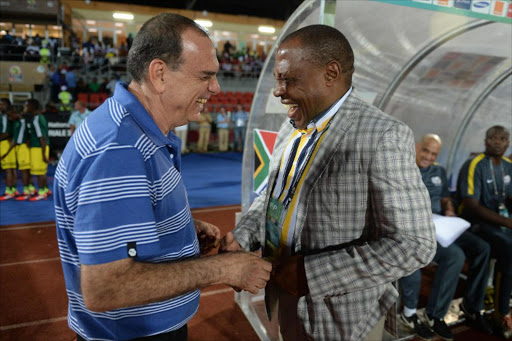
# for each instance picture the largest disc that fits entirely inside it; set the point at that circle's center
(156, 72)
(332, 72)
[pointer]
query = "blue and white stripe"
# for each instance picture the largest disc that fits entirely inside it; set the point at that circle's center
(165, 185)
(146, 147)
(116, 110)
(112, 189)
(175, 223)
(113, 238)
(107, 147)
(66, 255)
(77, 304)
(66, 221)
(61, 174)
(84, 140)
(73, 323)
(186, 252)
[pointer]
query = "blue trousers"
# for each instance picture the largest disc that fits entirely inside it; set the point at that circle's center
(239, 137)
(501, 250)
(450, 261)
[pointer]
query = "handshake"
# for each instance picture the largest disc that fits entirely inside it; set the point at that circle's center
(233, 266)
(242, 270)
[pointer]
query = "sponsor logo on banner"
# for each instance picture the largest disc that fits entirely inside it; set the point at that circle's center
(481, 6)
(58, 129)
(509, 12)
(263, 147)
(15, 74)
(499, 8)
(445, 3)
(464, 4)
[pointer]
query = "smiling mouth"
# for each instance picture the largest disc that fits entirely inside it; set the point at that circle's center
(289, 106)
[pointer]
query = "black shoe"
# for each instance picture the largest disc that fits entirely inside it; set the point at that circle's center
(438, 326)
(419, 328)
(476, 320)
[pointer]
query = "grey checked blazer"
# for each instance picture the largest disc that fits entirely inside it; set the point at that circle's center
(363, 221)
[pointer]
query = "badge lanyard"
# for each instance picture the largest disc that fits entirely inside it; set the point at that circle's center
(277, 211)
(494, 179)
(303, 160)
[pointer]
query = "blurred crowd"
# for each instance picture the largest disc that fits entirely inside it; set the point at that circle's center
(83, 77)
(101, 57)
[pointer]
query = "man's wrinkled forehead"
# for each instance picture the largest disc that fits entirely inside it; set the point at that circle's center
(281, 67)
(288, 59)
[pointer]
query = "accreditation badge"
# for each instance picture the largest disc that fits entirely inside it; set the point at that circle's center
(273, 224)
(271, 252)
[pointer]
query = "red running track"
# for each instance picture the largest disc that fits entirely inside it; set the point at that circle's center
(33, 301)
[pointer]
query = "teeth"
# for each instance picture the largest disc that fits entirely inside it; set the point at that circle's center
(201, 100)
(288, 106)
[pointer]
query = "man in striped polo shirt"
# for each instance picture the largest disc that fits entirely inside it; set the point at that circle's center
(484, 190)
(128, 243)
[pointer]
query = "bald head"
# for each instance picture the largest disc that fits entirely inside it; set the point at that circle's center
(428, 137)
(427, 150)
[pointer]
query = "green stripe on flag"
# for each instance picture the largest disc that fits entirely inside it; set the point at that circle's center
(259, 149)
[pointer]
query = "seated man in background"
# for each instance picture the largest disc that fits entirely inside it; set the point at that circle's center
(450, 259)
(78, 116)
(484, 190)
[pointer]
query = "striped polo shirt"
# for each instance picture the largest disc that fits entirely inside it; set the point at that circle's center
(119, 193)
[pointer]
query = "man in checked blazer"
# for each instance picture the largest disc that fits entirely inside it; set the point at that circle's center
(347, 201)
